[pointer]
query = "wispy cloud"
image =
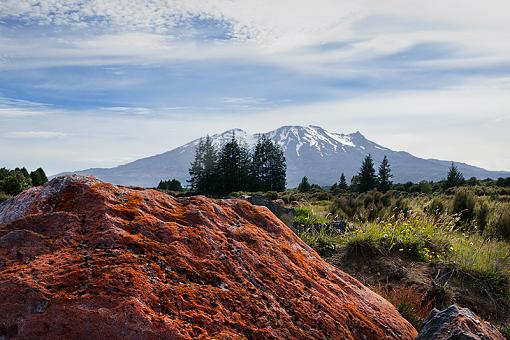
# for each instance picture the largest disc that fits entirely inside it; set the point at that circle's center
(129, 110)
(17, 108)
(106, 71)
(34, 134)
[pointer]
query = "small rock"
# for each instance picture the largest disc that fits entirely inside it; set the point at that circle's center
(457, 323)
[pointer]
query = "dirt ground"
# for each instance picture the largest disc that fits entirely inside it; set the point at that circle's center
(439, 286)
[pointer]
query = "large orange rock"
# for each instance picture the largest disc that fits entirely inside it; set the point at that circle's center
(85, 259)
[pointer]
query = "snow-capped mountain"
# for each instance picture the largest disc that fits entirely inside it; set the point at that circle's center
(309, 150)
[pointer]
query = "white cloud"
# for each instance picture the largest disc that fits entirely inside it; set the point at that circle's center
(15, 108)
(34, 134)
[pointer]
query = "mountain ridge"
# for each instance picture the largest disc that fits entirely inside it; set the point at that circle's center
(310, 151)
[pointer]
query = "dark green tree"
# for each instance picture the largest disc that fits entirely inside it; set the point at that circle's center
(174, 185)
(42, 174)
(38, 177)
(15, 182)
(268, 167)
(162, 185)
(342, 185)
(304, 186)
(171, 184)
(454, 178)
(366, 175)
(203, 170)
(384, 175)
(355, 183)
(232, 167)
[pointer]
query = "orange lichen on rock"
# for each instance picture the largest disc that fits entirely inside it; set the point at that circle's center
(80, 258)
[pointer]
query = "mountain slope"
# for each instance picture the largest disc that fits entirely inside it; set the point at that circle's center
(310, 151)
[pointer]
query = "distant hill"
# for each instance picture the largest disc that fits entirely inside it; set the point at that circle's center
(310, 151)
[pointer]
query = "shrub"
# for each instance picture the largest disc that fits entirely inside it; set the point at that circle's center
(321, 196)
(272, 195)
(482, 213)
(4, 197)
(322, 240)
(436, 207)
(401, 207)
(306, 216)
(463, 204)
(499, 224)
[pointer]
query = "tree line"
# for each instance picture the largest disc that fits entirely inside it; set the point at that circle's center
(368, 179)
(233, 167)
(12, 182)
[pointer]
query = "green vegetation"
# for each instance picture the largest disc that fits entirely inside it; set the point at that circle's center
(13, 182)
(171, 185)
(459, 228)
(454, 178)
(233, 168)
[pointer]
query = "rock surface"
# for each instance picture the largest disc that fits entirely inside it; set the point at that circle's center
(457, 323)
(84, 259)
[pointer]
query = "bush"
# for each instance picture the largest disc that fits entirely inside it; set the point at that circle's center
(499, 225)
(15, 183)
(272, 195)
(306, 216)
(482, 214)
(436, 207)
(4, 197)
(463, 204)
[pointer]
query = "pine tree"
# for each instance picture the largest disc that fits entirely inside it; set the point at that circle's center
(203, 169)
(304, 186)
(36, 178)
(384, 175)
(278, 168)
(455, 178)
(42, 174)
(173, 185)
(162, 185)
(244, 167)
(229, 167)
(268, 167)
(366, 175)
(342, 185)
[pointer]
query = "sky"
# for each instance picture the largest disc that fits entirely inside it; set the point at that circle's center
(98, 83)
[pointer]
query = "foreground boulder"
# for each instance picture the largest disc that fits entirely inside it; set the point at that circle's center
(84, 259)
(457, 323)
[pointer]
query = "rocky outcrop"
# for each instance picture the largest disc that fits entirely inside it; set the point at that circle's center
(84, 259)
(457, 323)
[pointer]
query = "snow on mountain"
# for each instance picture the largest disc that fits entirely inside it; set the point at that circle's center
(309, 150)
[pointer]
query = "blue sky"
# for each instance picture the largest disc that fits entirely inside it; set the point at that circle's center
(96, 83)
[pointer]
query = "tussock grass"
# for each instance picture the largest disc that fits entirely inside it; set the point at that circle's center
(432, 241)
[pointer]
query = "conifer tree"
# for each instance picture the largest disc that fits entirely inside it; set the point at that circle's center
(244, 167)
(342, 185)
(304, 186)
(42, 174)
(278, 168)
(366, 175)
(229, 167)
(38, 177)
(203, 169)
(455, 178)
(268, 167)
(384, 175)
(162, 185)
